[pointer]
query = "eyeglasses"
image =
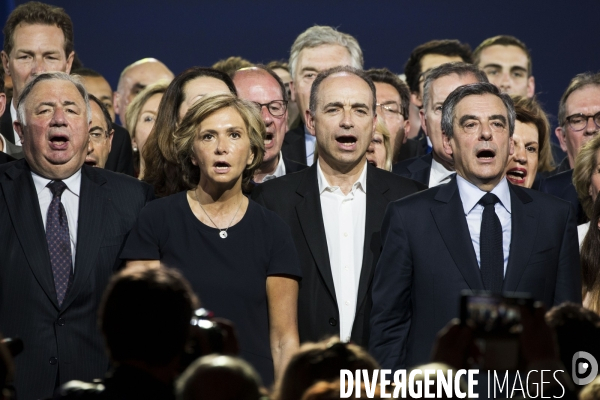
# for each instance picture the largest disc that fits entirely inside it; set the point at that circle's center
(276, 108)
(579, 122)
(98, 137)
(390, 109)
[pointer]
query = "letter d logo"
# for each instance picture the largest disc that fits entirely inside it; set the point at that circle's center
(579, 368)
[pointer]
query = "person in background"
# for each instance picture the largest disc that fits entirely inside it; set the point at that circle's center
(101, 134)
(231, 64)
(379, 152)
(532, 143)
(590, 261)
(162, 169)
(282, 69)
(586, 180)
(141, 117)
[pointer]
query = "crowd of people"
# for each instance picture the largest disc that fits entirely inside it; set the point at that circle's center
(324, 217)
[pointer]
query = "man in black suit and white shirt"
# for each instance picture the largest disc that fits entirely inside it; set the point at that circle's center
(265, 89)
(335, 208)
(437, 167)
(476, 232)
(62, 230)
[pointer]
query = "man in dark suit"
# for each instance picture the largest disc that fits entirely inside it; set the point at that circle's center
(63, 227)
(335, 207)
(316, 49)
(476, 232)
(437, 167)
(579, 122)
(265, 88)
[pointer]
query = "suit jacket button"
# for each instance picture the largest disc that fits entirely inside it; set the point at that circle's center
(332, 321)
(53, 360)
(61, 322)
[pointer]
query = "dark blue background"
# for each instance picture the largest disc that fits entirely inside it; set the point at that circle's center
(563, 36)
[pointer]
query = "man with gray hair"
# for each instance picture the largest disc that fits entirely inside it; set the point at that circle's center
(315, 50)
(63, 227)
(437, 167)
(475, 232)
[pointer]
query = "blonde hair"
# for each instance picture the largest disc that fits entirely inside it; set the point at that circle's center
(135, 107)
(387, 144)
(185, 134)
(585, 162)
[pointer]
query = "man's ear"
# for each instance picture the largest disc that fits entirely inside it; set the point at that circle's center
(2, 103)
(116, 104)
(406, 130)
(111, 135)
(292, 91)
(19, 129)
(415, 98)
(423, 121)
(446, 144)
(530, 87)
(562, 137)
(70, 59)
(310, 123)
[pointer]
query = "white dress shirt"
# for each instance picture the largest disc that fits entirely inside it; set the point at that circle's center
(582, 230)
(69, 199)
(470, 196)
(13, 114)
(439, 174)
(279, 171)
(344, 221)
(310, 142)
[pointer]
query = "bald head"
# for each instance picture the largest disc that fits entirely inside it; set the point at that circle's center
(135, 78)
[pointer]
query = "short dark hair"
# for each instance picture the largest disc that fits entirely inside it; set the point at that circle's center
(1, 78)
(314, 91)
(446, 47)
(502, 40)
(35, 12)
(268, 70)
(578, 82)
(145, 314)
(529, 111)
(86, 72)
(474, 89)
(105, 113)
(384, 75)
(459, 68)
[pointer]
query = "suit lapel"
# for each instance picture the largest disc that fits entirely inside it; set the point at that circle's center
(452, 225)
(24, 208)
(6, 127)
(90, 229)
(310, 216)
(376, 206)
(523, 232)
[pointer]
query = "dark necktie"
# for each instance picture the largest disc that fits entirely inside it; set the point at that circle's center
(490, 245)
(59, 242)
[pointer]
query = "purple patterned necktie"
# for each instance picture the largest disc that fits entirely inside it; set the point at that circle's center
(59, 242)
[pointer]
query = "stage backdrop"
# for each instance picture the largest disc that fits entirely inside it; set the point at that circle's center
(110, 34)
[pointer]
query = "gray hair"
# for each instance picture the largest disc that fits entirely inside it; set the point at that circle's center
(320, 35)
(61, 76)
(459, 68)
(474, 89)
(578, 82)
(314, 90)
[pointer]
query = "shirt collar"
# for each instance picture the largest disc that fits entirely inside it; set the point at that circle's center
(73, 182)
(13, 111)
(361, 182)
(440, 170)
(471, 194)
(279, 171)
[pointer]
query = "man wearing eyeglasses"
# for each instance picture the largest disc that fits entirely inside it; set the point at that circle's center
(393, 99)
(263, 87)
(437, 167)
(579, 121)
(101, 134)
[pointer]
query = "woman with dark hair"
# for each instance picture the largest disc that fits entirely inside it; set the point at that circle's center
(590, 262)
(162, 168)
(238, 256)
